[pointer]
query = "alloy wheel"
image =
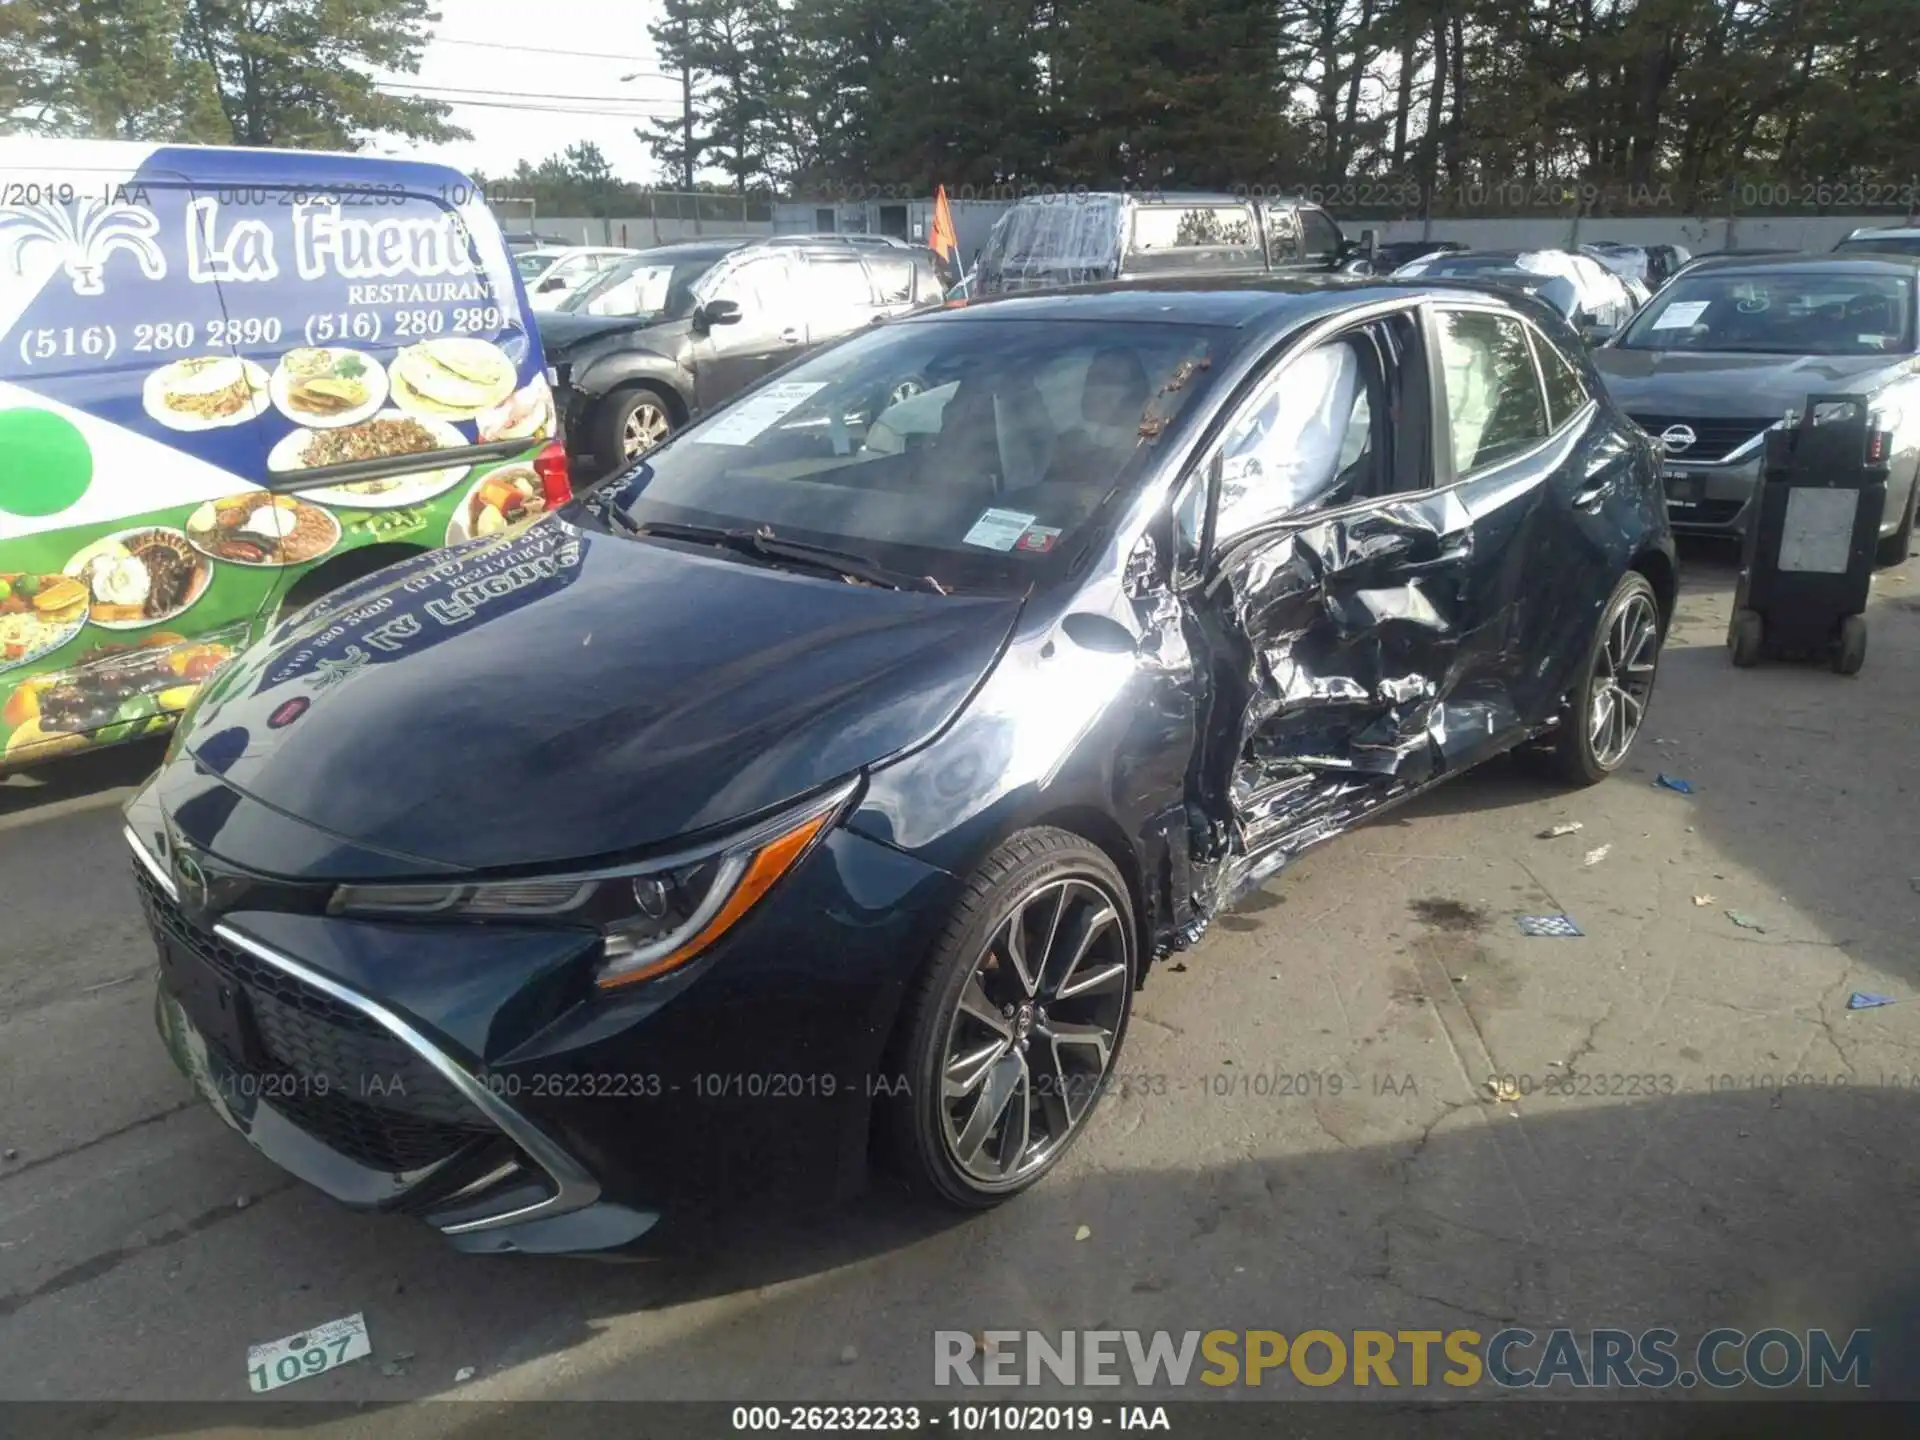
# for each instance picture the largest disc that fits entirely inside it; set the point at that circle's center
(646, 427)
(1034, 1032)
(1622, 680)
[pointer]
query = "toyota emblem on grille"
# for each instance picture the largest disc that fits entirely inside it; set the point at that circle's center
(1676, 438)
(191, 880)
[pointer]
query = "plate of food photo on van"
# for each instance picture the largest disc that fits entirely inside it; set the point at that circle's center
(527, 414)
(499, 501)
(387, 434)
(324, 388)
(38, 614)
(264, 529)
(206, 392)
(452, 379)
(140, 577)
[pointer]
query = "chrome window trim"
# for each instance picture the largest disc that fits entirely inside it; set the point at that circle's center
(574, 1188)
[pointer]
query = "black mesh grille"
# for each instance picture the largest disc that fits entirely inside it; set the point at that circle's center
(1713, 439)
(363, 1092)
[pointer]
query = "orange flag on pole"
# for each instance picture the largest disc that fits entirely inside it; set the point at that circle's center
(943, 241)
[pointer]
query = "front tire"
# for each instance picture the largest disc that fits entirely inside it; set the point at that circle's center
(1616, 683)
(631, 423)
(1009, 1037)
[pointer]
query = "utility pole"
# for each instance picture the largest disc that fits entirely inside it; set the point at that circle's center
(686, 102)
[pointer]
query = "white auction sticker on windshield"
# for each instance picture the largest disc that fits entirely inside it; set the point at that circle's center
(998, 529)
(1680, 316)
(748, 420)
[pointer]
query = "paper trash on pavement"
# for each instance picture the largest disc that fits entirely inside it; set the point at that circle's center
(308, 1353)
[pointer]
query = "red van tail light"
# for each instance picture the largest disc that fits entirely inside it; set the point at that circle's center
(556, 480)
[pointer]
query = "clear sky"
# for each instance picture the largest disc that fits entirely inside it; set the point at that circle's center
(492, 61)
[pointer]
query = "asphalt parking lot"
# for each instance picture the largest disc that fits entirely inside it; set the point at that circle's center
(1308, 1138)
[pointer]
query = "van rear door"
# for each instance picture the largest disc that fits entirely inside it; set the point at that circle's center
(403, 371)
(123, 406)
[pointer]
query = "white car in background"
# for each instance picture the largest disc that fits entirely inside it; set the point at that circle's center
(551, 273)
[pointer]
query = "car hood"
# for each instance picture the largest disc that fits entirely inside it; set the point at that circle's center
(567, 694)
(562, 333)
(1709, 386)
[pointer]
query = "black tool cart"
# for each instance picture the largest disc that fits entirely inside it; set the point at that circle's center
(1810, 538)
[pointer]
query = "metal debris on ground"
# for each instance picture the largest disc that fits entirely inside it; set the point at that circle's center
(1083, 1233)
(1673, 782)
(463, 1374)
(1703, 900)
(1548, 925)
(308, 1353)
(1746, 921)
(1594, 857)
(1505, 1089)
(1565, 827)
(1862, 1000)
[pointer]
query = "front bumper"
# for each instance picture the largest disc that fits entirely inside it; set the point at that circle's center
(1711, 499)
(347, 1095)
(474, 1078)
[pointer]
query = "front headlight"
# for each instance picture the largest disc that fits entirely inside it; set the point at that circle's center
(653, 916)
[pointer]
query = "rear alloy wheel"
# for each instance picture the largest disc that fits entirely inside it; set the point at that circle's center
(1011, 1038)
(1610, 702)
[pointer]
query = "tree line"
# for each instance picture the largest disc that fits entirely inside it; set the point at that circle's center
(1399, 104)
(1407, 106)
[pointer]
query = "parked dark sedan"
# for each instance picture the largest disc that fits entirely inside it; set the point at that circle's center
(1731, 346)
(677, 330)
(826, 785)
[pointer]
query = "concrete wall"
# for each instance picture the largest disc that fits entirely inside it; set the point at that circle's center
(1794, 232)
(972, 219)
(641, 231)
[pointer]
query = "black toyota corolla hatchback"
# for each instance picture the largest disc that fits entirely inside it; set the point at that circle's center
(824, 787)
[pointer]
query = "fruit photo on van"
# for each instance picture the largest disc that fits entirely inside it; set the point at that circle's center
(231, 382)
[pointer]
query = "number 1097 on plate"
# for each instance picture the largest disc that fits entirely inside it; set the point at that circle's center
(311, 1352)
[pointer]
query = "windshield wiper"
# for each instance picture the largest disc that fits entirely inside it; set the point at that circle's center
(848, 564)
(604, 503)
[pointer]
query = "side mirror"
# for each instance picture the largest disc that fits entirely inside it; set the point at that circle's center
(716, 312)
(1369, 243)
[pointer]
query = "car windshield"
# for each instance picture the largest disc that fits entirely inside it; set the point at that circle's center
(639, 287)
(1778, 312)
(985, 454)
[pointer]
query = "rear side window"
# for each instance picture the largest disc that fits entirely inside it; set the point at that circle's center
(1182, 235)
(1283, 236)
(892, 277)
(1566, 391)
(1495, 410)
(1319, 235)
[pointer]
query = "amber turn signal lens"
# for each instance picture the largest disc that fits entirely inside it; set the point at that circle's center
(769, 863)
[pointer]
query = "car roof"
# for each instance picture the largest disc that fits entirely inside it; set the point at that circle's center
(1477, 254)
(1228, 301)
(1863, 263)
(1887, 232)
(694, 249)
